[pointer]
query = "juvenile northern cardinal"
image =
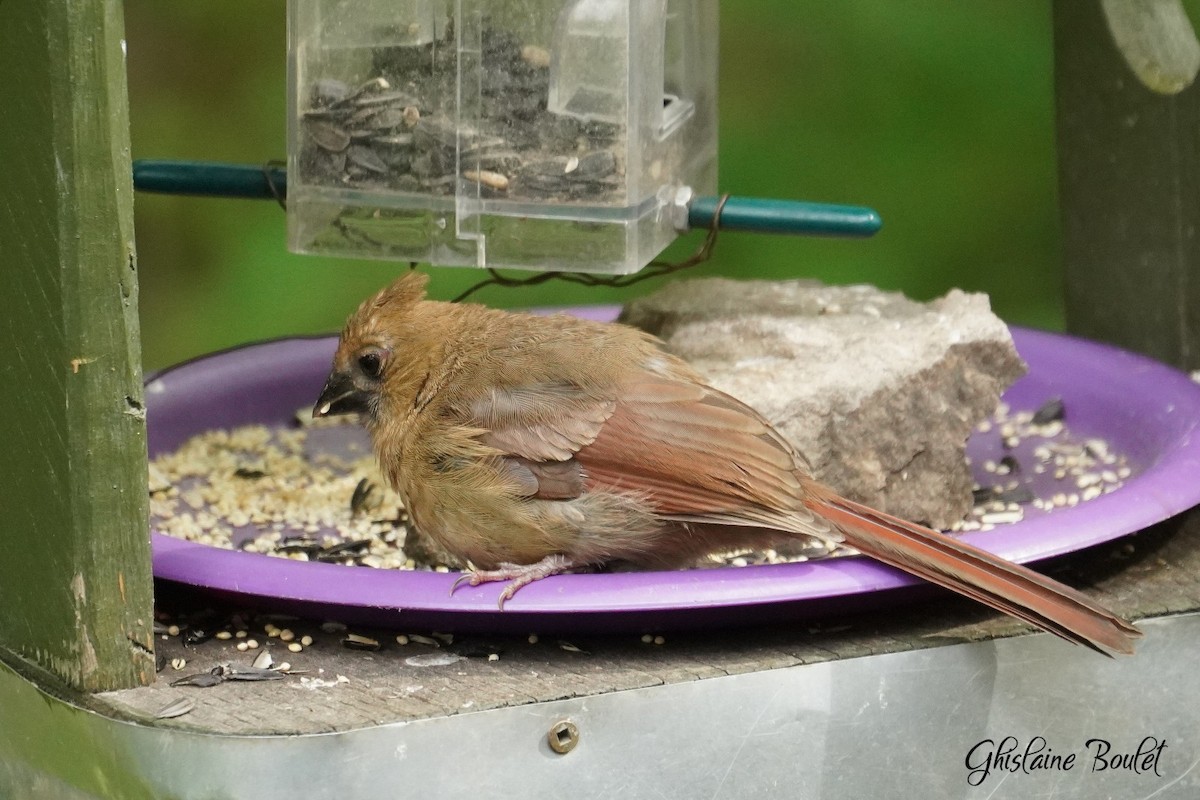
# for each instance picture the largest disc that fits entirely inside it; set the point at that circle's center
(532, 446)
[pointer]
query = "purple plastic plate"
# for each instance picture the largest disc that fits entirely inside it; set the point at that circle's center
(1145, 410)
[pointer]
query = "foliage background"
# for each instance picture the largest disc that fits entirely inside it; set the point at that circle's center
(938, 114)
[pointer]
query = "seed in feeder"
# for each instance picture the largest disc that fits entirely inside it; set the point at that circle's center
(242, 647)
(493, 656)
(493, 180)
(286, 635)
(533, 638)
(224, 635)
(252, 644)
(295, 647)
(172, 630)
(401, 639)
(306, 640)
(1091, 493)
(178, 663)
(534, 56)
(647, 638)
(271, 630)
(570, 648)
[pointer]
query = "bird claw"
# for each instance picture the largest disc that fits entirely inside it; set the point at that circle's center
(518, 575)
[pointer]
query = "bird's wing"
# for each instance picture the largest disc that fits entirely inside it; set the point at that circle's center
(538, 428)
(699, 455)
(694, 453)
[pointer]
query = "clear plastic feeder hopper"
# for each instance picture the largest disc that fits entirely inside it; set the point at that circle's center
(537, 134)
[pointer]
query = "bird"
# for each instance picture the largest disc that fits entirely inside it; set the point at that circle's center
(531, 446)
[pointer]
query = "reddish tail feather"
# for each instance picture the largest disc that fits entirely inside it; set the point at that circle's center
(973, 572)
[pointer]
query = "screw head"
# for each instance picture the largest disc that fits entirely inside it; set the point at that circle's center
(563, 737)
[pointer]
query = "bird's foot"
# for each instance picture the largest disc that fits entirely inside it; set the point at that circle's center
(518, 575)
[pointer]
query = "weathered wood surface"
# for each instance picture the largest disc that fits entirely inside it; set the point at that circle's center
(75, 580)
(1129, 186)
(1153, 573)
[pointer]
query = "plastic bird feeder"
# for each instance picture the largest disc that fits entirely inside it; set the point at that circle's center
(543, 134)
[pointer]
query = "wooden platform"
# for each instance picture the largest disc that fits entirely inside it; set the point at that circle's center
(1151, 574)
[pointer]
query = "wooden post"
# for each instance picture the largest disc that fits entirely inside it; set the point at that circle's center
(75, 584)
(1129, 178)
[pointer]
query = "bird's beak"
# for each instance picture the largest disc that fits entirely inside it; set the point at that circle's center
(340, 396)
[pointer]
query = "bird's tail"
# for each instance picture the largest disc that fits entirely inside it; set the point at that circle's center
(973, 572)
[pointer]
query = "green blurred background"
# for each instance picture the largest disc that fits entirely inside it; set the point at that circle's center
(938, 114)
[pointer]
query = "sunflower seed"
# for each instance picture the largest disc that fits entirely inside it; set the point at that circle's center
(175, 708)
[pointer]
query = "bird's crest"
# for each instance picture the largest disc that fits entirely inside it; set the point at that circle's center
(404, 292)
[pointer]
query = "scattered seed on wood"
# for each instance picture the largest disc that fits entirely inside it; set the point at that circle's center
(426, 640)
(295, 647)
(175, 708)
(224, 635)
(433, 660)
(356, 641)
(178, 663)
(201, 679)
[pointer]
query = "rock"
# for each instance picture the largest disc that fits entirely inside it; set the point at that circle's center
(878, 391)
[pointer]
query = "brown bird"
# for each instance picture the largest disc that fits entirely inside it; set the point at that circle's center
(532, 446)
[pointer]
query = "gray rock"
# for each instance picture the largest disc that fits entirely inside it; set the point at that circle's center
(878, 391)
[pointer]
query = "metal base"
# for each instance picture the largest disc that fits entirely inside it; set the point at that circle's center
(896, 725)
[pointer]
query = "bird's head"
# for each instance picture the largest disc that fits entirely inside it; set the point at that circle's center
(365, 356)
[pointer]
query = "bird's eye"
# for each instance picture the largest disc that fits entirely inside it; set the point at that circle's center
(371, 364)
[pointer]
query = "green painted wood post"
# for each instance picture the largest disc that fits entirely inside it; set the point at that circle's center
(75, 584)
(1129, 174)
